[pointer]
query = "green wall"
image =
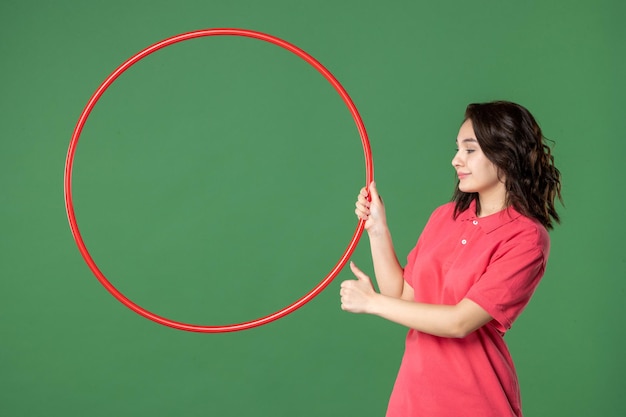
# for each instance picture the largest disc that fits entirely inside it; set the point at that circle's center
(214, 183)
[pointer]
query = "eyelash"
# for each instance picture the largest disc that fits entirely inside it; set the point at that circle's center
(466, 150)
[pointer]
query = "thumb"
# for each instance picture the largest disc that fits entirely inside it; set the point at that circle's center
(358, 273)
(374, 192)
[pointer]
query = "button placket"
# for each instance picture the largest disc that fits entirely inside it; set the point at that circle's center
(464, 241)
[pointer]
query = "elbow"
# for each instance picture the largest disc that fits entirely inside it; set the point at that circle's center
(460, 330)
(466, 317)
(459, 333)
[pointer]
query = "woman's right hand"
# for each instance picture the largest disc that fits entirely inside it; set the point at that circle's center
(371, 210)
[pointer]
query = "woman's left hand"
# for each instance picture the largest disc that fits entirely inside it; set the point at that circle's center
(357, 295)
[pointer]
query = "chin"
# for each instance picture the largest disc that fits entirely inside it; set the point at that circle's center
(467, 189)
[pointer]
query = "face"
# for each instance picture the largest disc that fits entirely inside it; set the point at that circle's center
(476, 173)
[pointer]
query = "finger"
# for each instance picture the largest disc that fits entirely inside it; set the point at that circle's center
(362, 211)
(346, 284)
(362, 208)
(361, 215)
(362, 200)
(362, 203)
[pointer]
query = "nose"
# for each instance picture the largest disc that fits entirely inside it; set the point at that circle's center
(457, 161)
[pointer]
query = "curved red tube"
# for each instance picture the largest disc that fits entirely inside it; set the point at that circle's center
(69, 206)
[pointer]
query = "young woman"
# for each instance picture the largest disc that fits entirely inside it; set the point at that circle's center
(472, 272)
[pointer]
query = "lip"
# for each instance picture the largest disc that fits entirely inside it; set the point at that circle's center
(462, 175)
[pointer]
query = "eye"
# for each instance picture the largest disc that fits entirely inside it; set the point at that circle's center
(470, 150)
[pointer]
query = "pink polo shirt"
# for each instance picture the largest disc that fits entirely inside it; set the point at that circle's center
(495, 261)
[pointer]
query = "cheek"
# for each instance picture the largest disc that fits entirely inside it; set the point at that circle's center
(494, 171)
(493, 175)
(487, 168)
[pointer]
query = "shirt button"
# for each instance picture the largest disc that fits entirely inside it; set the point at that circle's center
(475, 222)
(463, 242)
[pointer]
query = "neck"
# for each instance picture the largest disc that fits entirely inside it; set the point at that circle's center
(489, 210)
(491, 204)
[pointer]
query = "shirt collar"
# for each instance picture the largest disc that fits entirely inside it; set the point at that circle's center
(491, 222)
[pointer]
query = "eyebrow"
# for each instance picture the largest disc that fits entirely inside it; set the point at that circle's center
(467, 140)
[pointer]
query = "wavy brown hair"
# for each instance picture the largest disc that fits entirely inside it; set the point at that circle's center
(512, 140)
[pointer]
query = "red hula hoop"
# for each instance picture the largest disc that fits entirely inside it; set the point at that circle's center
(69, 206)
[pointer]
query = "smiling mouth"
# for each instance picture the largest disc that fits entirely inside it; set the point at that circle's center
(462, 175)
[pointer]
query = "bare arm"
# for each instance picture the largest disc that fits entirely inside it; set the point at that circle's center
(388, 271)
(358, 296)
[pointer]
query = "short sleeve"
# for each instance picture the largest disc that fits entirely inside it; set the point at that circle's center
(410, 262)
(508, 283)
(432, 227)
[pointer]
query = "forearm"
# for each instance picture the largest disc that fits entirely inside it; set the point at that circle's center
(388, 271)
(455, 321)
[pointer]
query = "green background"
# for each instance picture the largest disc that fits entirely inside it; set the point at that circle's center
(215, 180)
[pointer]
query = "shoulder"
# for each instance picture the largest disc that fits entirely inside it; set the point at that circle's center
(441, 219)
(445, 211)
(533, 231)
(524, 231)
